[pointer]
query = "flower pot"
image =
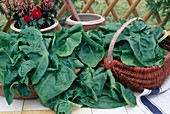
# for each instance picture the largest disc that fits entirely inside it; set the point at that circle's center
(51, 28)
(17, 96)
(89, 21)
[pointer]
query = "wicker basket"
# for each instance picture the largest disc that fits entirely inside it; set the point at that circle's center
(137, 78)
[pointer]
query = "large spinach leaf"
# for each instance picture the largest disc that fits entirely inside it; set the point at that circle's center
(67, 40)
(90, 53)
(55, 83)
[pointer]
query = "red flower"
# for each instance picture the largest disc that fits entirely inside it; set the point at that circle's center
(27, 18)
(36, 13)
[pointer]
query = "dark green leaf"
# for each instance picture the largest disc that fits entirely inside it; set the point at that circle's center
(54, 84)
(64, 47)
(90, 53)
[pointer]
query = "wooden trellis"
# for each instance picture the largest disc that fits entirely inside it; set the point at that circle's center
(110, 9)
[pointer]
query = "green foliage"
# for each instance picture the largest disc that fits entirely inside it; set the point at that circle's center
(137, 45)
(159, 5)
(90, 53)
(75, 40)
(30, 58)
(92, 88)
(26, 57)
(55, 83)
(67, 41)
(48, 62)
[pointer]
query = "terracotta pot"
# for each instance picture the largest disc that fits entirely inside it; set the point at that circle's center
(89, 21)
(51, 28)
(17, 96)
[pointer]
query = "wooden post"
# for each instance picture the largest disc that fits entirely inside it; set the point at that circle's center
(113, 11)
(111, 5)
(130, 2)
(165, 20)
(7, 26)
(61, 12)
(158, 17)
(88, 6)
(147, 16)
(71, 9)
(132, 7)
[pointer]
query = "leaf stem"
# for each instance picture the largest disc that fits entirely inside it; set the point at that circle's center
(163, 37)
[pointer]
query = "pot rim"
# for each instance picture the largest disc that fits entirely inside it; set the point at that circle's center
(41, 30)
(93, 22)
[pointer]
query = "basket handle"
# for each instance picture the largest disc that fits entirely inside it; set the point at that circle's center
(118, 32)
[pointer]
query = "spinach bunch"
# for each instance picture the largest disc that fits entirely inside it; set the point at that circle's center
(92, 88)
(48, 63)
(137, 45)
(75, 40)
(26, 60)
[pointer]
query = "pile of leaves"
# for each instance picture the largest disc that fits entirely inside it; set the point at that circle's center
(48, 63)
(137, 45)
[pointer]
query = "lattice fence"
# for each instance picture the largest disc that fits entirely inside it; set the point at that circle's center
(132, 4)
(110, 9)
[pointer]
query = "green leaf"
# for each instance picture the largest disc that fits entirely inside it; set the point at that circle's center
(138, 26)
(41, 21)
(55, 83)
(26, 67)
(76, 28)
(90, 53)
(127, 94)
(93, 82)
(64, 108)
(104, 102)
(65, 46)
(158, 31)
(40, 70)
(1, 76)
(124, 93)
(9, 94)
(54, 60)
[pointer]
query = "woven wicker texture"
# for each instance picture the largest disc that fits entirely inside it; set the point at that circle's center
(138, 78)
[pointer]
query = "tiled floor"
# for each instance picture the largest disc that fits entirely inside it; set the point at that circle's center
(34, 107)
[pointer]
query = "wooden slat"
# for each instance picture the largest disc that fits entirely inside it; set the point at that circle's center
(132, 7)
(158, 17)
(90, 8)
(87, 6)
(61, 11)
(71, 9)
(7, 26)
(113, 11)
(111, 5)
(3, 8)
(130, 2)
(147, 16)
(165, 20)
